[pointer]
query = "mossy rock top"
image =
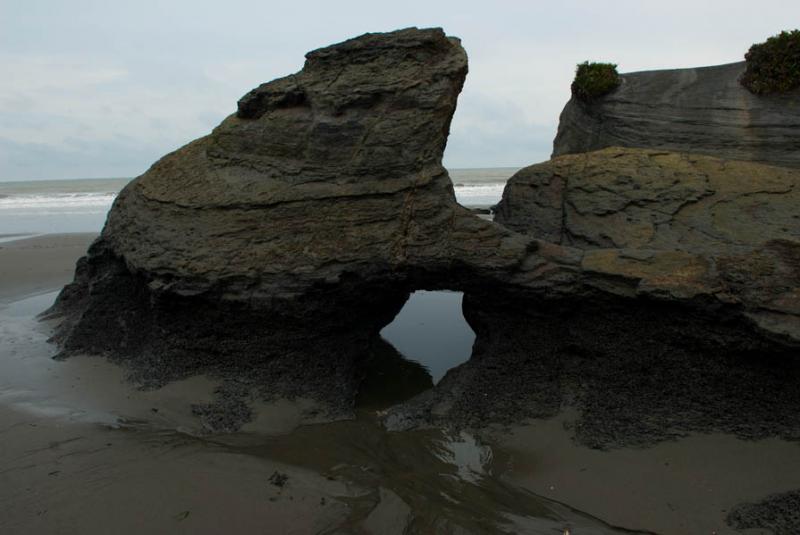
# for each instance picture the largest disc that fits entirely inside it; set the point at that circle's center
(774, 65)
(594, 80)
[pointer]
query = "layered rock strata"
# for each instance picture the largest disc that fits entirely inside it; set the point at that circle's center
(701, 110)
(683, 224)
(708, 253)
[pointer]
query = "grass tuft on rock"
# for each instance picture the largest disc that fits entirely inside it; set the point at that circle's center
(774, 65)
(593, 80)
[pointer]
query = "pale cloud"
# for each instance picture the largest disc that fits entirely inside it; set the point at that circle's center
(60, 107)
(104, 88)
(34, 73)
(242, 73)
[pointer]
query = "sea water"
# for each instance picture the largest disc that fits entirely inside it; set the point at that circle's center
(480, 188)
(56, 206)
(81, 205)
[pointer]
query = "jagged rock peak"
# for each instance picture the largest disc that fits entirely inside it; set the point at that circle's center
(326, 163)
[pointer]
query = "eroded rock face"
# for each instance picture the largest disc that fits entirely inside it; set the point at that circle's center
(331, 172)
(681, 264)
(632, 373)
(683, 226)
(701, 110)
(327, 176)
(647, 199)
(293, 231)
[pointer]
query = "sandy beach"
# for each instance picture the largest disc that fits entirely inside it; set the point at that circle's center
(84, 451)
(39, 264)
(684, 486)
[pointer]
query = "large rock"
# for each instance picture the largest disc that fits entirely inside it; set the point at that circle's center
(703, 257)
(679, 224)
(334, 171)
(293, 231)
(702, 110)
(633, 372)
(649, 199)
(273, 250)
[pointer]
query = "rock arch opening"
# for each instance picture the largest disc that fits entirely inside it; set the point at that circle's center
(431, 329)
(414, 349)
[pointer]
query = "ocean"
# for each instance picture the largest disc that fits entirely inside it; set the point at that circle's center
(56, 206)
(81, 205)
(480, 188)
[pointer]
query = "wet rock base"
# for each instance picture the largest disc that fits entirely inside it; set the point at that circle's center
(636, 372)
(779, 513)
(259, 354)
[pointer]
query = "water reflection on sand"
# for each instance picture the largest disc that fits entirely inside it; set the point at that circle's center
(358, 475)
(431, 330)
(93, 450)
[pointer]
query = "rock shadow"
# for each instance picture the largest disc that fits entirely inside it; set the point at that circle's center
(637, 372)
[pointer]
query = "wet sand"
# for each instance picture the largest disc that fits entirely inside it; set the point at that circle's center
(684, 486)
(83, 451)
(68, 477)
(39, 264)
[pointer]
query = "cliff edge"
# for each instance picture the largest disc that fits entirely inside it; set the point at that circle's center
(700, 110)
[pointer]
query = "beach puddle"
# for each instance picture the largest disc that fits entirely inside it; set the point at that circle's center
(30, 306)
(426, 481)
(431, 330)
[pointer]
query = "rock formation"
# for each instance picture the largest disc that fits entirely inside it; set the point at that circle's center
(703, 110)
(621, 198)
(276, 247)
(692, 225)
(633, 372)
(331, 173)
(295, 229)
(709, 250)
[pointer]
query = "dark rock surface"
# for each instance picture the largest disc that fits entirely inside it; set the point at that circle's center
(280, 243)
(634, 373)
(329, 173)
(780, 514)
(700, 110)
(692, 225)
(621, 198)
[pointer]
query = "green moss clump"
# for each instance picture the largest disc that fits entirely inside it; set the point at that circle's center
(593, 80)
(774, 65)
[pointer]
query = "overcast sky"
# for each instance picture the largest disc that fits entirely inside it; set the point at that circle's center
(104, 88)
